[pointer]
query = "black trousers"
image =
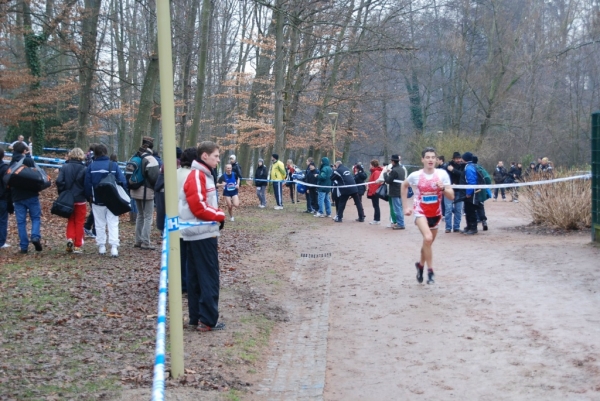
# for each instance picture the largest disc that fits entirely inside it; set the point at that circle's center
(375, 202)
(312, 200)
(471, 214)
(342, 205)
(203, 281)
(89, 222)
(480, 210)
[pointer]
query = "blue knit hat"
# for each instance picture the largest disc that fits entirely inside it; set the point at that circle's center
(467, 156)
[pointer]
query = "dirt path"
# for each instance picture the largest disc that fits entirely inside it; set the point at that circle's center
(512, 316)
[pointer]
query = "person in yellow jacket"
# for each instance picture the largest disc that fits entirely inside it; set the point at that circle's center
(278, 175)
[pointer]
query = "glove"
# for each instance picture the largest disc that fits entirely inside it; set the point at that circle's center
(222, 225)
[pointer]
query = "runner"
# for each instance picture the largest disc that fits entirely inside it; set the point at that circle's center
(429, 185)
(230, 183)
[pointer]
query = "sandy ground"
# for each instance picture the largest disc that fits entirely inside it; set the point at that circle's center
(512, 316)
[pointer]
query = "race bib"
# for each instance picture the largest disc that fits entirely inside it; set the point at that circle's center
(230, 186)
(427, 199)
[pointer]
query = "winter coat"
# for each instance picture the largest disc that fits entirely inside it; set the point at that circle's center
(261, 173)
(457, 169)
(150, 171)
(235, 167)
(72, 177)
(359, 178)
(469, 177)
(324, 178)
(375, 173)
(499, 175)
(20, 194)
(311, 177)
(4, 192)
(278, 171)
(198, 203)
(96, 171)
(344, 176)
(398, 173)
(290, 170)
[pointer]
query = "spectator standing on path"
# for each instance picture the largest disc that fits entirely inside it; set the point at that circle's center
(71, 177)
(344, 191)
(4, 200)
(311, 176)
(278, 175)
(530, 172)
(198, 206)
(261, 175)
(430, 185)
(454, 210)
(26, 201)
(89, 229)
(481, 195)
(230, 184)
(187, 158)
(103, 218)
(324, 182)
(398, 173)
(290, 169)
(360, 177)
(499, 176)
(545, 169)
(375, 173)
(235, 167)
(469, 177)
(514, 175)
(141, 185)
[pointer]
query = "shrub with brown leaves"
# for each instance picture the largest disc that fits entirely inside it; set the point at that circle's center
(566, 205)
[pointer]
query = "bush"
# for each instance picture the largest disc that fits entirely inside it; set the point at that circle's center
(566, 205)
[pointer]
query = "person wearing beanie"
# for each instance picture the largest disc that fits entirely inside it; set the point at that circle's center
(454, 210)
(483, 194)
(261, 175)
(469, 177)
(235, 166)
(143, 192)
(278, 174)
(430, 185)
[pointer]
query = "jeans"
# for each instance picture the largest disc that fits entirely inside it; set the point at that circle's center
(278, 192)
(35, 213)
(3, 221)
(453, 209)
(397, 204)
(143, 224)
(261, 192)
(375, 202)
(313, 197)
(501, 191)
(75, 224)
(324, 203)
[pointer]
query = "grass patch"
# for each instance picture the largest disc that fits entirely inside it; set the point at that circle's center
(252, 339)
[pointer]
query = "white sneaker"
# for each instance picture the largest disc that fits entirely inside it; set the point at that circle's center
(375, 222)
(318, 214)
(102, 250)
(114, 251)
(232, 218)
(261, 206)
(5, 246)
(516, 201)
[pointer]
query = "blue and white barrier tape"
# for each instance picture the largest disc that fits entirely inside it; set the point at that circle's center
(158, 381)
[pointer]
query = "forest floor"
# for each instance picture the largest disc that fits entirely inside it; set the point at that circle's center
(314, 310)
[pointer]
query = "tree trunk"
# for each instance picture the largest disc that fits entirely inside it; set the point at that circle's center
(279, 71)
(141, 127)
(187, 64)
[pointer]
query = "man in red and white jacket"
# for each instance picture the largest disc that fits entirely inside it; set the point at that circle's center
(198, 205)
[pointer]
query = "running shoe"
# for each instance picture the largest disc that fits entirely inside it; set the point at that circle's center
(430, 277)
(69, 245)
(114, 251)
(77, 250)
(419, 272)
(204, 328)
(102, 250)
(375, 222)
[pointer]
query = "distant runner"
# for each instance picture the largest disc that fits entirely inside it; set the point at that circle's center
(429, 185)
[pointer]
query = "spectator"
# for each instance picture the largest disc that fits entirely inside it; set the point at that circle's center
(187, 158)
(4, 200)
(514, 175)
(261, 176)
(290, 169)
(26, 201)
(375, 173)
(21, 139)
(545, 169)
(360, 177)
(469, 177)
(235, 167)
(310, 177)
(347, 189)
(335, 182)
(230, 184)
(198, 206)
(71, 177)
(278, 174)
(159, 192)
(103, 218)
(143, 192)
(499, 177)
(481, 195)
(89, 229)
(324, 182)
(454, 210)
(397, 173)
(530, 171)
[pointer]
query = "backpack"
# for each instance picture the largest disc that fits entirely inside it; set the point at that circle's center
(133, 171)
(483, 178)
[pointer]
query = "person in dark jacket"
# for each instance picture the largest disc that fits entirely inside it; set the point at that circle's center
(291, 169)
(26, 201)
(311, 176)
(469, 177)
(235, 167)
(71, 177)
(360, 177)
(454, 210)
(261, 175)
(398, 173)
(95, 172)
(88, 228)
(4, 199)
(345, 177)
(514, 175)
(324, 182)
(499, 176)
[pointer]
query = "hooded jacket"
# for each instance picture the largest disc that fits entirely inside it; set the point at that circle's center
(278, 171)
(360, 177)
(324, 178)
(375, 173)
(345, 177)
(150, 171)
(261, 173)
(198, 203)
(72, 177)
